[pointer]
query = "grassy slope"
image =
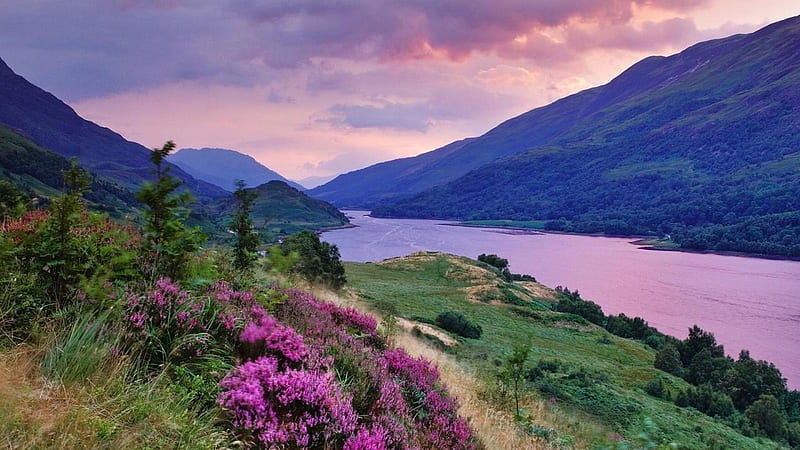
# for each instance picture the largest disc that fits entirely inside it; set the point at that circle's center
(423, 285)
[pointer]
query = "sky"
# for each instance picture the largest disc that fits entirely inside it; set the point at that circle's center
(315, 88)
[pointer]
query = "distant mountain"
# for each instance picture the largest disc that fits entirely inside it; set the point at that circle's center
(223, 167)
(280, 210)
(50, 123)
(392, 179)
(313, 181)
(703, 145)
(39, 172)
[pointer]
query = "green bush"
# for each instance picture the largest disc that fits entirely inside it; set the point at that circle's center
(655, 388)
(454, 322)
(318, 262)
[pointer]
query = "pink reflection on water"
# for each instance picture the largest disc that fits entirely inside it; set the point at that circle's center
(746, 302)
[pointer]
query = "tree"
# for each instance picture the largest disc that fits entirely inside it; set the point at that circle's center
(168, 242)
(749, 379)
(697, 341)
(493, 260)
(59, 259)
(669, 360)
(767, 415)
(242, 225)
(456, 323)
(318, 262)
(512, 376)
(12, 200)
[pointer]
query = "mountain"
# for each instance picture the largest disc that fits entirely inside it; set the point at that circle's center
(39, 172)
(223, 167)
(702, 145)
(52, 124)
(392, 179)
(280, 210)
(314, 181)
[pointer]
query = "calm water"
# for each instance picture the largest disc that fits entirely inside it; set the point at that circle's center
(746, 302)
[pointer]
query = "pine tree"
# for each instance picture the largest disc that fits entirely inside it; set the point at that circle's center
(246, 239)
(168, 242)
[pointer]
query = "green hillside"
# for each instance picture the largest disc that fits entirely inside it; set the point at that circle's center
(589, 382)
(702, 145)
(39, 172)
(280, 210)
(52, 124)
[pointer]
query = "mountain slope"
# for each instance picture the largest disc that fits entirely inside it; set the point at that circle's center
(39, 171)
(387, 180)
(280, 210)
(49, 122)
(223, 167)
(695, 145)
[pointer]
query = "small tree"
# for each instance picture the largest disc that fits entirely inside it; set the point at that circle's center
(318, 262)
(668, 359)
(12, 200)
(512, 376)
(168, 242)
(768, 416)
(242, 225)
(58, 257)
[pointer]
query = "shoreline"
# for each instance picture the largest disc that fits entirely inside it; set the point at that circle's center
(643, 242)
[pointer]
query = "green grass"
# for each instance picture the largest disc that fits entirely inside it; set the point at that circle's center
(420, 287)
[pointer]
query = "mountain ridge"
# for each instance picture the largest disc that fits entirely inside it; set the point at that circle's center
(49, 122)
(693, 145)
(214, 164)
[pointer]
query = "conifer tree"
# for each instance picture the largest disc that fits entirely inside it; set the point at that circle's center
(246, 239)
(168, 241)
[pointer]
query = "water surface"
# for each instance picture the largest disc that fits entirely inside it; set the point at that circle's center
(746, 302)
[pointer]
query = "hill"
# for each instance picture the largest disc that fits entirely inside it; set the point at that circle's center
(52, 124)
(701, 145)
(585, 387)
(223, 167)
(391, 179)
(39, 172)
(280, 210)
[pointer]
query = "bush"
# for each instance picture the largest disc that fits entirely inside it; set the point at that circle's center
(319, 262)
(655, 388)
(456, 323)
(668, 359)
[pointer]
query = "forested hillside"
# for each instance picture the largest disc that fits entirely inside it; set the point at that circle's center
(702, 145)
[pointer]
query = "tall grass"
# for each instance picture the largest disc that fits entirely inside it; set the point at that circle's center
(81, 350)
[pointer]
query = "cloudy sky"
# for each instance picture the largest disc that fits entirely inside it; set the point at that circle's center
(323, 87)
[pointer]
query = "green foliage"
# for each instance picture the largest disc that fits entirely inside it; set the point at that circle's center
(58, 257)
(512, 375)
(655, 387)
(767, 415)
(318, 262)
(571, 302)
(455, 322)
(168, 241)
(668, 359)
(12, 200)
(494, 261)
(244, 249)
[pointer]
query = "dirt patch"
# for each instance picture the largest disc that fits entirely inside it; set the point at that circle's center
(408, 325)
(538, 290)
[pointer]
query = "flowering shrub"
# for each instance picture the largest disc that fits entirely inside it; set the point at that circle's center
(292, 407)
(318, 375)
(266, 336)
(435, 416)
(168, 322)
